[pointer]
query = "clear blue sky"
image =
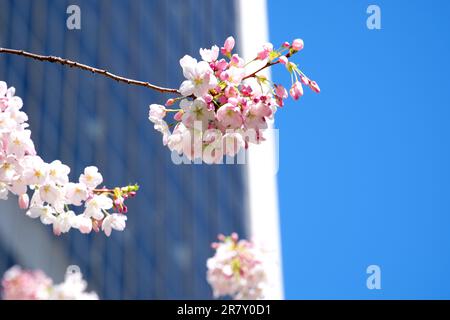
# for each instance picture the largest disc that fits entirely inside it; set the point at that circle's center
(365, 165)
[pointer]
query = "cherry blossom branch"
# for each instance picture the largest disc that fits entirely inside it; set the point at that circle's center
(74, 64)
(22, 170)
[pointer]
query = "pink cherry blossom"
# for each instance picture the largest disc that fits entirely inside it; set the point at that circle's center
(237, 269)
(265, 52)
(233, 76)
(230, 116)
(222, 94)
(236, 61)
(19, 284)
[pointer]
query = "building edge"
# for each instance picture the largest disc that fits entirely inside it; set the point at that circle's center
(263, 225)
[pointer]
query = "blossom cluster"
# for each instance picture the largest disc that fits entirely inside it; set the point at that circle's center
(19, 284)
(237, 269)
(23, 171)
(224, 106)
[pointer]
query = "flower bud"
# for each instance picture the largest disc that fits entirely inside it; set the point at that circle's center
(170, 102)
(283, 60)
(314, 86)
(24, 201)
(297, 44)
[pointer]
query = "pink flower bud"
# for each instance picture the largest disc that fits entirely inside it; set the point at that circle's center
(224, 76)
(178, 115)
(296, 90)
(283, 60)
(234, 236)
(170, 102)
(314, 86)
(228, 46)
(280, 91)
(242, 101)
(246, 90)
(24, 201)
(286, 44)
(223, 99)
(208, 98)
(297, 44)
(231, 91)
(221, 64)
(215, 245)
(132, 194)
(237, 61)
(305, 80)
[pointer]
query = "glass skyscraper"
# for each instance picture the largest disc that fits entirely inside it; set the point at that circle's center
(84, 119)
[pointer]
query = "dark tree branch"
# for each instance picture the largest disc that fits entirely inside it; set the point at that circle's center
(74, 64)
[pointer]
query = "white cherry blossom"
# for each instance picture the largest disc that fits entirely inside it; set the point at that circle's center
(96, 206)
(199, 75)
(114, 221)
(91, 177)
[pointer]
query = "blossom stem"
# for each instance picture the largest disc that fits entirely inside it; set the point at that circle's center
(74, 64)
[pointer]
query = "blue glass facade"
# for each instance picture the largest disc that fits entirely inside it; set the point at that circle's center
(84, 119)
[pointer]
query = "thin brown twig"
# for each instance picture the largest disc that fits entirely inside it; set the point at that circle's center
(269, 64)
(74, 64)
